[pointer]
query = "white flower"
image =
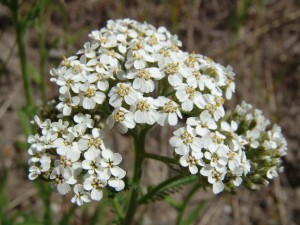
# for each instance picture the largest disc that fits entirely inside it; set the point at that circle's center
(238, 142)
(90, 96)
(69, 81)
(142, 78)
(214, 105)
(67, 146)
(252, 136)
(43, 125)
(91, 141)
(192, 161)
(40, 157)
(272, 172)
(60, 180)
(37, 144)
(116, 181)
(169, 112)
(122, 43)
(92, 161)
(123, 118)
(145, 110)
(67, 102)
(60, 126)
(80, 196)
(204, 124)
(236, 176)
(110, 57)
(218, 157)
(175, 72)
(47, 141)
(84, 119)
(106, 40)
(195, 77)
(213, 141)
(230, 88)
(122, 91)
(101, 78)
(214, 177)
(233, 160)
(89, 50)
(245, 163)
(230, 128)
(71, 167)
(243, 108)
(34, 172)
(188, 96)
(138, 58)
(110, 160)
(184, 139)
(95, 185)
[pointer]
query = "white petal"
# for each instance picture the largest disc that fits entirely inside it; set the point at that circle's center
(96, 194)
(218, 187)
(183, 161)
(63, 188)
(88, 103)
(173, 119)
(193, 169)
(175, 141)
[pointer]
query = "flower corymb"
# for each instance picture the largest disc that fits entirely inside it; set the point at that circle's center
(134, 76)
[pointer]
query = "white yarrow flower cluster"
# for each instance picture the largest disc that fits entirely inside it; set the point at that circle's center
(72, 156)
(224, 150)
(135, 76)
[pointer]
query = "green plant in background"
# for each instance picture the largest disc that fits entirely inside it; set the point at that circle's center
(134, 76)
(22, 24)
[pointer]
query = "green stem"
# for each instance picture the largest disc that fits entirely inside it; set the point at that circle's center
(139, 148)
(187, 199)
(117, 207)
(43, 53)
(20, 32)
(160, 158)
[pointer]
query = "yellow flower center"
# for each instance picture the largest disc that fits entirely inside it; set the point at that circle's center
(190, 92)
(172, 68)
(144, 74)
(186, 138)
(143, 106)
(120, 116)
(123, 90)
(90, 92)
(169, 107)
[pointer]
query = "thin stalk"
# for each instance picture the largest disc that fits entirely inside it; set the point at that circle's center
(43, 53)
(118, 208)
(187, 199)
(139, 148)
(20, 32)
(160, 158)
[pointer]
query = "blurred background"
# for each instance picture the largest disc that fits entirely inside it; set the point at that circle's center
(260, 39)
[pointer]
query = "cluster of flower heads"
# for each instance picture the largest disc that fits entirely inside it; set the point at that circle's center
(135, 74)
(232, 150)
(72, 154)
(133, 67)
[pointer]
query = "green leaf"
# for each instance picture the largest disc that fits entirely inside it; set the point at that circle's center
(35, 75)
(25, 121)
(3, 179)
(166, 188)
(173, 203)
(192, 217)
(67, 216)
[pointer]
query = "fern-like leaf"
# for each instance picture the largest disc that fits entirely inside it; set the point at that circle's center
(167, 188)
